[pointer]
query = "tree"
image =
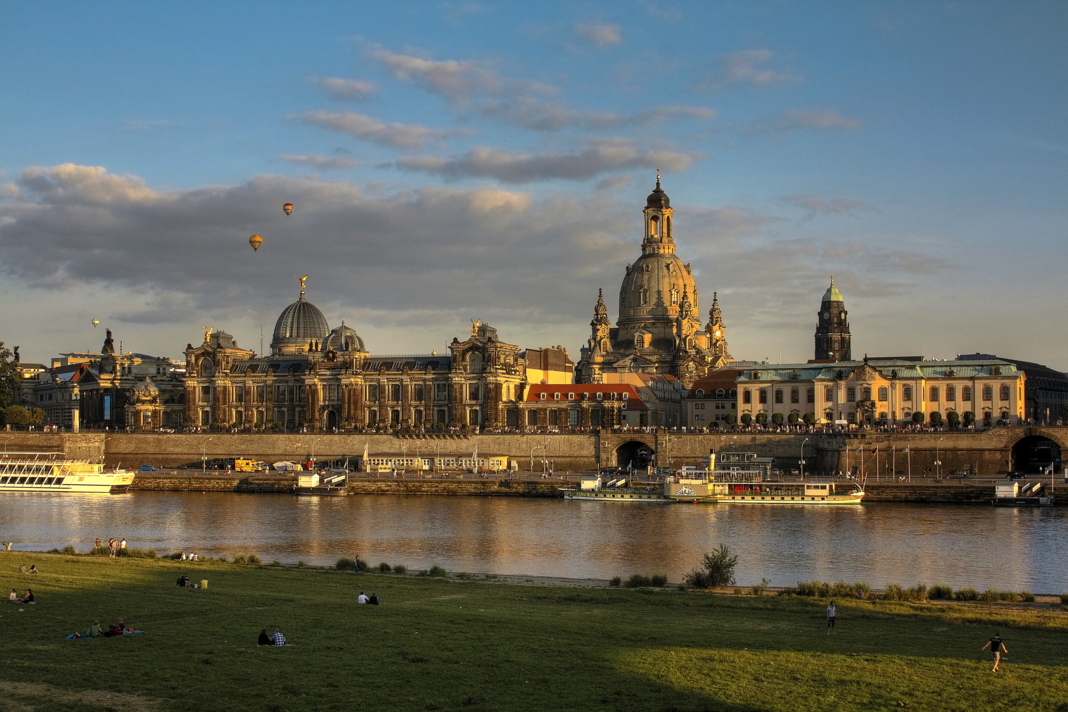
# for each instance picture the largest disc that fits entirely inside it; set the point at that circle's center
(16, 415)
(793, 418)
(9, 379)
(969, 418)
(917, 418)
(776, 418)
(809, 418)
(717, 569)
(954, 419)
(732, 418)
(761, 418)
(746, 419)
(936, 418)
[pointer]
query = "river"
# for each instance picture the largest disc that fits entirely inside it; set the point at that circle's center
(977, 546)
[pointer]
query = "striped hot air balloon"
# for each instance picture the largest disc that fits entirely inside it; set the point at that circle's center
(255, 241)
(288, 208)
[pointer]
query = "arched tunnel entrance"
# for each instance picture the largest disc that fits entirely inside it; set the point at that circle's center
(1034, 454)
(634, 455)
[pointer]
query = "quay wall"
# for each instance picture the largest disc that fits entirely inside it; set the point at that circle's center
(987, 453)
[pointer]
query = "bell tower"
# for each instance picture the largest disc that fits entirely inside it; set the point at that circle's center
(832, 328)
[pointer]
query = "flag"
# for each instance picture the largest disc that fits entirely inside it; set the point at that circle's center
(860, 450)
(892, 450)
(876, 451)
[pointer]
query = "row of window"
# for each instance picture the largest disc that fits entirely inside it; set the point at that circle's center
(883, 394)
(332, 393)
(585, 396)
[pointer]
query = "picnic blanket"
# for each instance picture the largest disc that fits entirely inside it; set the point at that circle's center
(76, 636)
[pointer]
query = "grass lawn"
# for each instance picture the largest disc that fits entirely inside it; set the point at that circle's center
(450, 644)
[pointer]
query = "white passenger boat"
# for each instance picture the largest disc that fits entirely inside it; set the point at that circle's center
(620, 490)
(49, 472)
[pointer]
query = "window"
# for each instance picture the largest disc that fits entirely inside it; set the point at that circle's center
(763, 395)
(720, 393)
(261, 394)
(674, 296)
(1004, 393)
(532, 417)
(542, 396)
(747, 396)
(420, 392)
(934, 394)
(811, 395)
(474, 391)
(554, 417)
(966, 393)
(795, 395)
(778, 395)
(571, 396)
(643, 296)
(851, 394)
(600, 396)
(239, 394)
(556, 396)
(988, 393)
(624, 395)
(372, 392)
(828, 394)
(951, 393)
(573, 416)
(906, 393)
(883, 393)
(734, 393)
(699, 393)
(866, 393)
(395, 391)
(441, 391)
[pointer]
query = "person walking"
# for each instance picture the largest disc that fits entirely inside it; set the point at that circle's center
(997, 648)
(831, 613)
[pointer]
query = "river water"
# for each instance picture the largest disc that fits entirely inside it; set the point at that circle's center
(978, 546)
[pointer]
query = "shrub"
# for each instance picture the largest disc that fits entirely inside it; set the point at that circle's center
(776, 418)
(1027, 597)
(990, 596)
(967, 594)
(761, 418)
(384, 568)
(862, 590)
(717, 569)
(758, 589)
(437, 572)
(917, 593)
(893, 592)
(746, 419)
(941, 592)
(637, 581)
(658, 580)
(103, 551)
(68, 549)
(239, 558)
(137, 553)
(809, 418)
(345, 564)
(398, 569)
(616, 581)
(1064, 599)
(464, 575)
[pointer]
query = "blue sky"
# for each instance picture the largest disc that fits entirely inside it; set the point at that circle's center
(456, 161)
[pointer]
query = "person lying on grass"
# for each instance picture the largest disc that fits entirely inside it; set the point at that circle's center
(95, 631)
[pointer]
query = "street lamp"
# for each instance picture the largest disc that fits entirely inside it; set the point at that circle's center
(203, 456)
(536, 447)
(938, 459)
(313, 450)
(803, 457)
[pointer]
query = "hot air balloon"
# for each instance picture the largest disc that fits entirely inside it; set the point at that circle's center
(95, 323)
(288, 208)
(255, 241)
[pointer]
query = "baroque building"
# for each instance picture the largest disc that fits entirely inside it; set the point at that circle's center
(317, 378)
(659, 329)
(832, 329)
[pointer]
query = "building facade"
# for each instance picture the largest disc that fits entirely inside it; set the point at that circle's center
(883, 391)
(319, 379)
(659, 329)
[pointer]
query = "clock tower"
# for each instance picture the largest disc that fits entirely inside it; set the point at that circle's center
(832, 328)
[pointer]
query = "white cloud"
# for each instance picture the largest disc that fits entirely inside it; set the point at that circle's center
(453, 80)
(591, 160)
(345, 89)
(748, 67)
(319, 161)
(814, 206)
(599, 35)
(361, 126)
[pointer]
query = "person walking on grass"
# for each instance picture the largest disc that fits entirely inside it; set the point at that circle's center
(997, 648)
(831, 613)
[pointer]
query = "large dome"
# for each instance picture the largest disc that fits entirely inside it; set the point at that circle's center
(300, 323)
(653, 287)
(344, 338)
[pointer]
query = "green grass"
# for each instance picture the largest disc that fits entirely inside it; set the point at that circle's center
(447, 644)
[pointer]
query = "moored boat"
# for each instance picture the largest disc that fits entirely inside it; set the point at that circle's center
(619, 490)
(314, 485)
(50, 472)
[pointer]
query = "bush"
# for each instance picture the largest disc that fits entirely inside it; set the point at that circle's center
(1027, 596)
(1064, 599)
(893, 592)
(967, 594)
(398, 569)
(637, 581)
(941, 592)
(137, 553)
(658, 580)
(615, 581)
(345, 564)
(746, 419)
(437, 572)
(717, 569)
(384, 568)
(758, 589)
(68, 549)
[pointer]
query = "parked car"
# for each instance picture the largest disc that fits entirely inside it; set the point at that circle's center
(147, 468)
(1015, 475)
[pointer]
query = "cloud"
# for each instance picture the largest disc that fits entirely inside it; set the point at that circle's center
(596, 158)
(814, 206)
(366, 128)
(319, 161)
(455, 81)
(811, 119)
(344, 89)
(599, 35)
(87, 185)
(538, 115)
(746, 67)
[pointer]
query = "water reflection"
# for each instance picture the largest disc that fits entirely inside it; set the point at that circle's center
(981, 547)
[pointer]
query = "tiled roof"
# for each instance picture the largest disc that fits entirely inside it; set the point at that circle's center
(905, 369)
(634, 400)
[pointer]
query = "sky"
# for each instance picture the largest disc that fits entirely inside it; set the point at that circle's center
(454, 161)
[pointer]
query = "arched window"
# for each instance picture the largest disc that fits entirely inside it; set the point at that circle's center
(763, 395)
(734, 393)
(934, 394)
(474, 362)
(654, 225)
(906, 393)
(747, 396)
(883, 394)
(795, 395)
(207, 368)
(699, 393)
(778, 395)
(720, 393)
(951, 393)
(1004, 393)
(643, 296)
(811, 395)
(988, 393)
(674, 296)
(966, 393)
(866, 393)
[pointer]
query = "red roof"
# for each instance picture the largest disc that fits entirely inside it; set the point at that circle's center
(634, 400)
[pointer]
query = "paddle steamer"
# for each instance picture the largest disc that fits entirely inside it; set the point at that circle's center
(50, 472)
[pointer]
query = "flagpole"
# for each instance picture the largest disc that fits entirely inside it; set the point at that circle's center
(893, 461)
(908, 451)
(863, 472)
(878, 472)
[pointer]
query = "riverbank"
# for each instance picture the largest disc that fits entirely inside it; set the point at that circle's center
(520, 485)
(468, 644)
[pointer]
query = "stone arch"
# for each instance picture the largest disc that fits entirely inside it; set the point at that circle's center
(634, 453)
(1034, 453)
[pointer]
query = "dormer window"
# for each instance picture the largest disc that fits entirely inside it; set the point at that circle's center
(556, 396)
(571, 396)
(542, 395)
(674, 296)
(600, 396)
(643, 296)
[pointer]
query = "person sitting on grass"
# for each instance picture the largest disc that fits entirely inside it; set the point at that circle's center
(28, 598)
(278, 638)
(33, 569)
(13, 597)
(361, 598)
(373, 600)
(184, 581)
(95, 631)
(115, 629)
(264, 639)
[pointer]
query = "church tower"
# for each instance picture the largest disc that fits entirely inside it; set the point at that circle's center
(717, 335)
(832, 329)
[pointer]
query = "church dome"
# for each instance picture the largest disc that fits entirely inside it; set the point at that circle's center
(344, 338)
(300, 323)
(658, 198)
(654, 286)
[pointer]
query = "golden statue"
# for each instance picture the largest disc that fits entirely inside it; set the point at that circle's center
(475, 323)
(302, 281)
(207, 333)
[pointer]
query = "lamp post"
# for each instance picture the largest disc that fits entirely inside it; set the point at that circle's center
(536, 447)
(803, 457)
(938, 458)
(313, 450)
(203, 456)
